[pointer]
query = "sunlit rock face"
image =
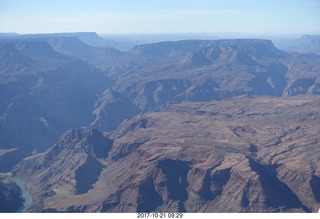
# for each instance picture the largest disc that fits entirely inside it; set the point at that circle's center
(239, 155)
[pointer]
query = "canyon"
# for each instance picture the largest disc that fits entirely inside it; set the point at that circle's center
(225, 125)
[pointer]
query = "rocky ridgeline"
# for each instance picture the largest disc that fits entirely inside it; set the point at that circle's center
(240, 155)
(182, 136)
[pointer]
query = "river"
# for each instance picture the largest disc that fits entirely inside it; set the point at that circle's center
(25, 194)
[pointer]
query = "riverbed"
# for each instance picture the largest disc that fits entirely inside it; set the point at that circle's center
(25, 194)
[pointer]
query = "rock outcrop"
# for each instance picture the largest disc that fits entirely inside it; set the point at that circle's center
(239, 155)
(73, 165)
(189, 126)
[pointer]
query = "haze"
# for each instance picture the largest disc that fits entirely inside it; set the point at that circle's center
(165, 16)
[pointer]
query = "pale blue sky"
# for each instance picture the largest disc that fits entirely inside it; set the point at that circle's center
(161, 16)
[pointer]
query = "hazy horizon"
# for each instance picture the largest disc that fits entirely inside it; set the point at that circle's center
(247, 17)
(203, 34)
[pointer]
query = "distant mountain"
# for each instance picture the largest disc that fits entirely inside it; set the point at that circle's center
(6, 35)
(304, 44)
(81, 45)
(233, 52)
(12, 59)
(188, 158)
(25, 56)
(163, 51)
(111, 110)
(154, 75)
(90, 38)
(72, 46)
(148, 78)
(43, 93)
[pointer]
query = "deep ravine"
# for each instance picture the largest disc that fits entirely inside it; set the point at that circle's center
(25, 194)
